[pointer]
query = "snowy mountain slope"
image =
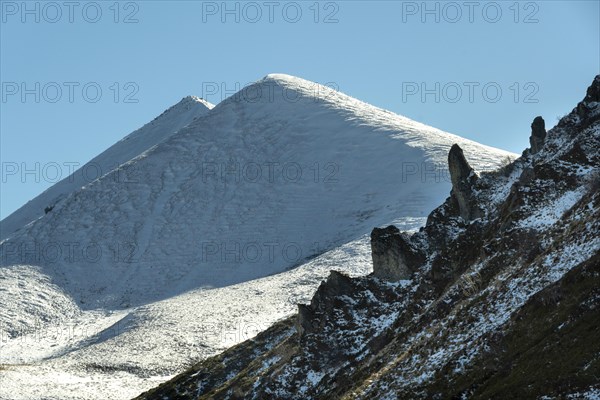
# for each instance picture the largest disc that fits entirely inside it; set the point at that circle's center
(271, 177)
(117, 355)
(496, 297)
(132, 145)
(252, 188)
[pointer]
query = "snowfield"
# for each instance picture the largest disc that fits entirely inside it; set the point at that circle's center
(132, 145)
(209, 225)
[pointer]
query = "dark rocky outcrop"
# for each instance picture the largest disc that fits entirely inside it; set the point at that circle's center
(463, 178)
(460, 170)
(324, 300)
(586, 108)
(538, 134)
(587, 111)
(305, 322)
(394, 257)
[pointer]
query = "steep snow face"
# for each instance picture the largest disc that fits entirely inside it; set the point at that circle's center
(169, 122)
(278, 173)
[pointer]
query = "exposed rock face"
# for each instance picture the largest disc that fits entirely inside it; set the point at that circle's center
(394, 257)
(586, 113)
(593, 92)
(538, 134)
(463, 178)
(337, 284)
(305, 322)
(586, 107)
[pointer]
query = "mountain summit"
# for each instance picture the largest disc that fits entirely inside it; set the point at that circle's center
(298, 165)
(131, 146)
(225, 215)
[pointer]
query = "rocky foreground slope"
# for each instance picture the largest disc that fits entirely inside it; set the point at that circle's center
(497, 296)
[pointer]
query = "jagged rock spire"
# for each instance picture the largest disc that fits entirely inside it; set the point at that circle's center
(538, 134)
(460, 169)
(463, 177)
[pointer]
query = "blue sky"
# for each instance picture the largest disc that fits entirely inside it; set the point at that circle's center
(482, 70)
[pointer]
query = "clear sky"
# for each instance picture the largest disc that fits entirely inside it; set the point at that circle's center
(482, 70)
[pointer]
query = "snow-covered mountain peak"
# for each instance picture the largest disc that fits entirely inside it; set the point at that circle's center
(188, 106)
(286, 80)
(170, 121)
(282, 77)
(298, 166)
(281, 89)
(191, 100)
(206, 200)
(300, 102)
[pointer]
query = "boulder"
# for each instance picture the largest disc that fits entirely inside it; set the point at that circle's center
(394, 256)
(463, 178)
